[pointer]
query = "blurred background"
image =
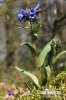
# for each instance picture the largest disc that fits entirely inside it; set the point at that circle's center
(13, 33)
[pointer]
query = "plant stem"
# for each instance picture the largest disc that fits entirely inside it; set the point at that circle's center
(39, 75)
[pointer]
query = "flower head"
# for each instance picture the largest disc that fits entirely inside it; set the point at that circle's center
(28, 13)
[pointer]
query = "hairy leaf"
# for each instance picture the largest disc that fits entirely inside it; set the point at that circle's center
(33, 77)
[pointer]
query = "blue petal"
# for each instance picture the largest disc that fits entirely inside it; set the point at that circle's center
(32, 10)
(32, 13)
(38, 7)
(27, 12)
(32, 16)
(21, 14)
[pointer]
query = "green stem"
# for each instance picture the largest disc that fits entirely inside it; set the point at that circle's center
(35, 56)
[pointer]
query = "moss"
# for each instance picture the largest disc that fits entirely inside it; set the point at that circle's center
(37, 95)
(60, 79)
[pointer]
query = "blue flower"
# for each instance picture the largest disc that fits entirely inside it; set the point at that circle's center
(32, 14)
(29, 13)
(10, 92)
(38, 7)
(21, 15)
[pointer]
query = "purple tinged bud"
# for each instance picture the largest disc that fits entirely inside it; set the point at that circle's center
(10, 92)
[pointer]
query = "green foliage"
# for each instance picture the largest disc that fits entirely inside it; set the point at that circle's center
(31, 47)
(46, 75)
(46, 50)
(36, 29)
(34, 95)
(43, 54)
(40, 58)
(55, 39)
(59, 56)
(48, 71)
(60, 79)
(38, 95)
(33, 77)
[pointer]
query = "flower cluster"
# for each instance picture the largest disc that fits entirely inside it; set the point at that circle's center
(29, 13)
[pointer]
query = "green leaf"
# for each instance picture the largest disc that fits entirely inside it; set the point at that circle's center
(46, 50)
(31, 47)
(43, 54)
(56, 38)
(48, 71)
(36, 29)
(33, 77)
(59, 56)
